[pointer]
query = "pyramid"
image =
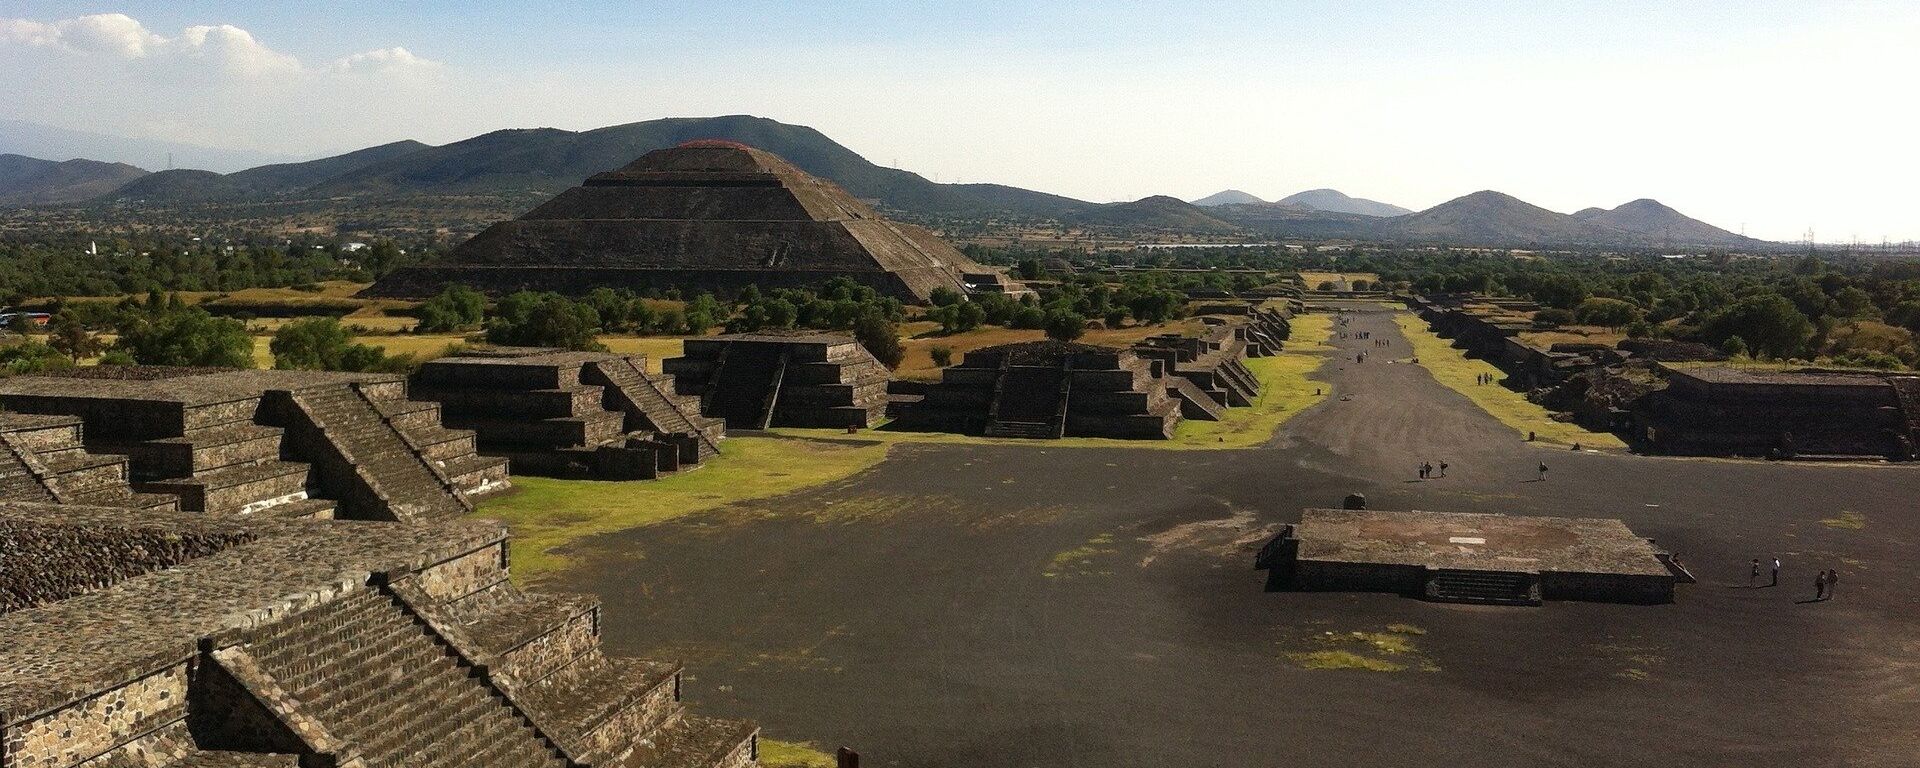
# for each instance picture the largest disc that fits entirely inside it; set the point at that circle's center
(702, 216)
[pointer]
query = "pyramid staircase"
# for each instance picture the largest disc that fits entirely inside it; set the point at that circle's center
(42, 458)
(1484, 587)
(391, 691)
(1030, 402)
(650, 405)
(744, 387)
(375, 471)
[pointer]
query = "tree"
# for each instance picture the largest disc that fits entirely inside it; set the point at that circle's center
(322, 344)
(1553, 316)
(703, 313)
(1028, 318)
(531, 319)
(942, 355)
(880, 338)
(68, 336)
(177, 335)
(456, 307)
(1768, 324)
(1611, 313)
(32, 357)
(1065, 325)
(1734, 346)
(942, 296)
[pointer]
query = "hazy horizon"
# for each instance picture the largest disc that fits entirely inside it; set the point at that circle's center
(1778, 116)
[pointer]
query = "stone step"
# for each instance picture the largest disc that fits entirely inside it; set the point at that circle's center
(694, 741)
(235, 489)
(124, 497)
(201, 450)
(1495, 587)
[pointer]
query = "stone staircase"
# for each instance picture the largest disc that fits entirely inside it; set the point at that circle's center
(1029, 403)
(382, 682)
(654, 407)
(738, 390)
(43, 458)
(1486, 587)
(375, 472)
(453, 451)
(1194, 403)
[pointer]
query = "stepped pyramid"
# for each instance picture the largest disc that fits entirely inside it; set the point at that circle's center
(705, 215)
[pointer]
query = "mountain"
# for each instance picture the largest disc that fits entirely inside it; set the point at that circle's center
(1335, 201)
(1494, 218)
(37, 140)
(280, 180)
(1228, 197)
(1662, 224)
(1587, 214)
(32, 181)
(1158, 212)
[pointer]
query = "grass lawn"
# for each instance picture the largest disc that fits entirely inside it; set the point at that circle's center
(1286, 389)
(1453, 368)
(793, 754)
(546, 515)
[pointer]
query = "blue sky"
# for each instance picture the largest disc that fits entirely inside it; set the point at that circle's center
(1773, 115)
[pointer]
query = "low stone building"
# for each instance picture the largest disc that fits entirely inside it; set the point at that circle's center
(1728, 411)
(1049, 389)
(761, 380)
(570, 414)
(232, 442)
(177, 639)
(1469, 558)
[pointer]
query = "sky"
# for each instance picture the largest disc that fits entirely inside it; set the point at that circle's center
(1767, 116)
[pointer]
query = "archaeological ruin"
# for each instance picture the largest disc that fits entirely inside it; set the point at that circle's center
(1469, 558)
(763, 380)
(1725, 411)
(1049, 389)
(571, 414)
(703, 216)
(175, 639)
(297, 444)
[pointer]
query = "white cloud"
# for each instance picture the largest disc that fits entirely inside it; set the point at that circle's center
(221, 47)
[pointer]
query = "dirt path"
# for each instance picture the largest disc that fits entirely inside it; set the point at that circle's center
(1027, 606)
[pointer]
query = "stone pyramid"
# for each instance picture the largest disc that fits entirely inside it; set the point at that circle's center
(706, 215)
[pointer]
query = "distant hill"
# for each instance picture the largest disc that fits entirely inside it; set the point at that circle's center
(1228, 197)
(1159, 212)
(1293, 221)
(1662, 224)
(1587, 214)
(37, 140)
(32, 181)
(1335, 201)
(1494, 218)
(267, 181)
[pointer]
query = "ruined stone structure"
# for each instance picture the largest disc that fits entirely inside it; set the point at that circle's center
(571, 414)
(1469, 558)
(177, 639)
(1726, 411)
(1050, 389)
(756, 381)
(708, 216)
(237, 442)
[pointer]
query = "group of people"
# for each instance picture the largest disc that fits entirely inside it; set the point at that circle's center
(1427, 470)
(1823, 582)
(1484, 379)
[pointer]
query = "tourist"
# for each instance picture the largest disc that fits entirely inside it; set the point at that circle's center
(1820, 587)
(1833, 579)
(1443, 468)
(1753, 574)
(1543, 471)
(1422, 469)
(1776, 573)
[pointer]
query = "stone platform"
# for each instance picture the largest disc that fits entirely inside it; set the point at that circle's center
(177, 639)
(761, 380)
(1465, 557)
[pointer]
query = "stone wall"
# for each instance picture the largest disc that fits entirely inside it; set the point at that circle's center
(93, 726)
(41, 563)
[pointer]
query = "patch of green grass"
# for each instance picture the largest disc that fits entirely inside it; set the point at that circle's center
(793, 754)
(1847, 521)
(1453, 368)
(1394, 650)
(1344, 660)
(1080, 560)
(546, 515)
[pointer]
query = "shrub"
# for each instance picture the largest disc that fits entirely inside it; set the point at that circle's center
(942, 356)
(455, 308)
(881, 339)
(1065, 325)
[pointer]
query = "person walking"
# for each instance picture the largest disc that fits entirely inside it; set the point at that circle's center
(1833, 580)
(1820, 587)
(1543, 475)
(1753, 574)
(1776, 573)
(1443, 467)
